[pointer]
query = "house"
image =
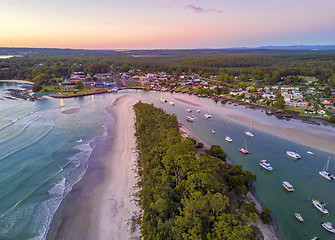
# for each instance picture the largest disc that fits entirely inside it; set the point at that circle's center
(321, 111)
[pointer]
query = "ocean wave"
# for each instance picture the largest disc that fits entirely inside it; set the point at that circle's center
(15, 120)
(26, 146)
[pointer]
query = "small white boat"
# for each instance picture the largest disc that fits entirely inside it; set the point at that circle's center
(171, 103)
(324, 173)
(294, 154)
(242, 150)
(189, 119)
(228, 139)
(288, 186)
(248, 133)
(265, 164)
(321, 206)
(328, 226)
(188, 110)
(315, 238)
(198, 111)
(163, 100)
(309, 152)
(298, 217)
(213, 131)
(207, 115)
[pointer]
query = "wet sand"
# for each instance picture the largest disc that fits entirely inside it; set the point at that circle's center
(101, 201)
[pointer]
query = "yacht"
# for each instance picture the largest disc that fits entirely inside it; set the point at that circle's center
(265, 164)
(298, 217)
(288, 186)
(294, 154)
(188, 110)
(189, 119)
(321, 206)
(213, 131)
(171, 103)
(315, 238)
(207, 115)
(163, 100)
(228, 139)
(244, 151)
(328, 226)
(324, 173)
(248, 133)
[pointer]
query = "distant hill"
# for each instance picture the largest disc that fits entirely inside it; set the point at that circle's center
(293, 47)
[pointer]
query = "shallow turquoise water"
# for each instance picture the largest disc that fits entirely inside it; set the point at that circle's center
(44, 152)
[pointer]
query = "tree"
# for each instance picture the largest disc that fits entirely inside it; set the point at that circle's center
(79, 85)
(216, 151)
(37, 87)
(266, 215)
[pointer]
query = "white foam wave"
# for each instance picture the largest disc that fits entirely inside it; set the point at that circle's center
(58, 188)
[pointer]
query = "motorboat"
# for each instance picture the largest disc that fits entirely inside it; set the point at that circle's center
(328, 226)
(188, 110)
(321, 206)
(324, 173)
(171, 103)
(309, 152)
(213, 131)
(228, 139)
(298, 217)
(293, 154)
(265, 164)
(198, 111)
(189, 119)
(288, 186)
(207, 115)
(163, 100)
(315, 238)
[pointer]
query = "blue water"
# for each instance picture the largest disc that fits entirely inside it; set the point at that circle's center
(43, 152)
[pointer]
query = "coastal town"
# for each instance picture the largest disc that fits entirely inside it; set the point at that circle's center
(303, 95)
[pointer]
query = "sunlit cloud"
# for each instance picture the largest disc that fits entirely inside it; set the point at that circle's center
(201, 10)
(25, 4)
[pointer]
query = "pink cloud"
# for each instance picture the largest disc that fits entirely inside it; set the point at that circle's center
(201, 10)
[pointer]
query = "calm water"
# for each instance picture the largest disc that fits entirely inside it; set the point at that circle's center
(44, 152)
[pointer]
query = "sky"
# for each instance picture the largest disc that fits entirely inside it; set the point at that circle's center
(160, 24)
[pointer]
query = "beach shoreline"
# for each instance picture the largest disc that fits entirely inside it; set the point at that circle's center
(100, 204)
(17, 81)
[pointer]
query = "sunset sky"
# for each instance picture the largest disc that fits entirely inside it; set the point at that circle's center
(147, 24)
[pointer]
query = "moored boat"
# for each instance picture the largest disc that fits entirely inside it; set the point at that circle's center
(248, 133)
(298, 217)
(244, 151)
(163, 100)
(265, 164)
(171, 103)
(189, 119)
(324, 173)
(228, 139)
(309, 152)
(328, 226)
(207, 115)
(198, 111)
(288, 186)
(188, 110)
(213, 131)
(293, 154)
(321, 206)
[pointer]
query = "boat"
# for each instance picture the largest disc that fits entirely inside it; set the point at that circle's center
(213, 131)
(298, 217)
(328, 226)
(321, 206)
(315, 238)
(188, 110)
(189, 119)
(249, 133)
(324, 173)
(265, 164)
(198, 111)
(242, 150)
(309, 152)
(294, 154)
(228, 139)
(207, 115)
(114, 89)
(163, 100)
(171, 103)
(288, 186)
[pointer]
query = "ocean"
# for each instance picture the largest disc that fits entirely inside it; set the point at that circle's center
(44, 152)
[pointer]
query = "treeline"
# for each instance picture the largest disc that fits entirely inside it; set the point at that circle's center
(185, 195)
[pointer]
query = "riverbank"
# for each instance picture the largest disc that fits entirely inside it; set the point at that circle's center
(101, 201)
(268, 230)
(17, 81)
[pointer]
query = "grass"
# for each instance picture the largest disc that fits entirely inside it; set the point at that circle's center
(293, 109)
(308, 78)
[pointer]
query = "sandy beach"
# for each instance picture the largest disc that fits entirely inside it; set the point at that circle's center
(17, 81)
(324, 143)
(101, 201)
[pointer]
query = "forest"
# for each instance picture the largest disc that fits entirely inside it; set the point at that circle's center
(186, 195)
(265, 66)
